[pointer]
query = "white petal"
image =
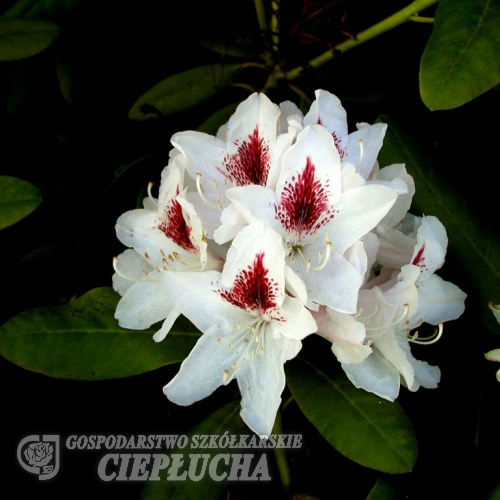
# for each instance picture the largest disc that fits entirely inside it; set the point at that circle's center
(375, 374)
(439, 301)
(430, 249)
(209, 216)
(261, 381)
(314, 146)
(295, 285)
(140, 229)
(425, 375)
(201, 154)
(251, 137)
(396, 249)
(257, 238)
(232, 223)
(328, 112)
(336, 285)
(170, 187)
(364, 156)
(288, 110)
(402, 205)
(167, 325)
(356, 256)
(371, 245)
(359, 211)
(298, 321)
(345, 333)
(130, 265)
(196, 297)
(392, 351)
(253, 203)
(143, 304)
(203, 370)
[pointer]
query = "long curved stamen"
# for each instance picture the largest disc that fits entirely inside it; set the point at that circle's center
(432, 339)
(150, 194)
(326, 259)
(395, 322)
(117, 271)
(202, 196)
(307, 262)
(361, 152)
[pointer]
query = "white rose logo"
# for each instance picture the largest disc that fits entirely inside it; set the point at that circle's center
(39, 454)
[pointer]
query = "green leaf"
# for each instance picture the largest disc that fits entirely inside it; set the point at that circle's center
(387, 488)
(363, 427)
(18, 199)
(82, 340)
(21, 38)
(182, 91)
(226, 419)
(475, 250)
(54, 10)
(65, 79)
(462, 58)
(233, 49)
(212, 123)
(495, 494)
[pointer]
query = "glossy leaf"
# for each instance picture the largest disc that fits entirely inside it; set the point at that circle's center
(475, 250)
(82, 340)
(21, 38)
(53, 10)
(462, 58)
(212, 124)
(233, 49)
(226, 419)
(387, 488)
(363, 427)
(18, 198)
(182, 91)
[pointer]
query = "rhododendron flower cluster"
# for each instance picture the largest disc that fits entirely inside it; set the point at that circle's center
(280, 227)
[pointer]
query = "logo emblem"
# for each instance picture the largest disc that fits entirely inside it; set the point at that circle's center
(39, 455)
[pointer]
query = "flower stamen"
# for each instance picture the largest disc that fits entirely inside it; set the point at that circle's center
(326, 259)
(406, 307)
(124, 276)
(361, 152)
(200, 192)
(432, 339)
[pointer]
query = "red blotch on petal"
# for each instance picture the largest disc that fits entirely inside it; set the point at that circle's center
(420, 257)
(176, 227)
(304, 202)
(253, 290)
(251, 163)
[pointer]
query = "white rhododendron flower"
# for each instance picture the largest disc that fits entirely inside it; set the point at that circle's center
(282, 226)
(251, 326)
